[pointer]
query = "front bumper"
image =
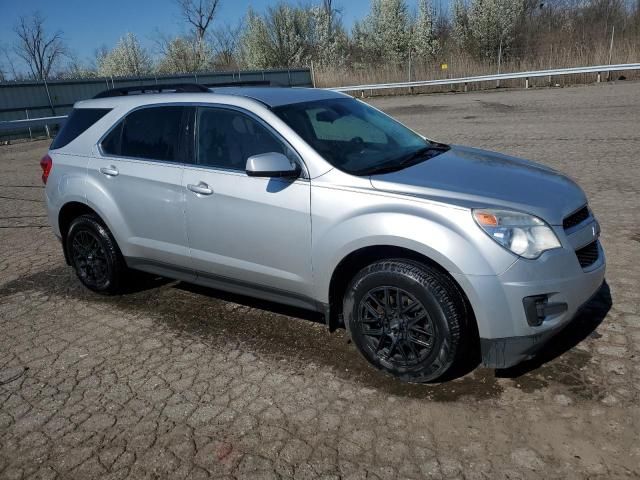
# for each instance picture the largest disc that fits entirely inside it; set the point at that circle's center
(507, 352)
(506, 336)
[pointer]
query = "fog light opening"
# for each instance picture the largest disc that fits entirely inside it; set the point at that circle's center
(538, 309)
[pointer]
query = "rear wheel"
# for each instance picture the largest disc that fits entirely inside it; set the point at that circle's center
(94, 255)
(405, 318)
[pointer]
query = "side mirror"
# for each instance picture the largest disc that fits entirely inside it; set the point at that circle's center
(272, 164)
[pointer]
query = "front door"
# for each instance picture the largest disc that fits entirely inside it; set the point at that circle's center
(245, 231)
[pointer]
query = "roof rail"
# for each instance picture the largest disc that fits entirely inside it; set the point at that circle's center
(158, 88)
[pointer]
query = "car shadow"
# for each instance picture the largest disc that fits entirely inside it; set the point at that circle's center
(275, 330)
(583, 325)
(252, 302)
(138, 282)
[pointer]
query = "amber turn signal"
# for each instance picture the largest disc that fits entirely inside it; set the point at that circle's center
(486, 219)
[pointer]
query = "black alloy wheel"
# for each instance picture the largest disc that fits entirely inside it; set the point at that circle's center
(95, 256)
(90, 259)
(396, 326)
(406, 318)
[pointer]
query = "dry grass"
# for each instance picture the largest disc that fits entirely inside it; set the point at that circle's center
(462, 65)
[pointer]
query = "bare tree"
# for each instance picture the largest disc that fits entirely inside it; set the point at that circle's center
(98, 56)
(40, 51)
(226, 41)
(8, 64)
(199, 13)
(76, 68)
(4, 75)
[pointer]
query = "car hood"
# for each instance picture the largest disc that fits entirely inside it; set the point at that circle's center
(476, 178)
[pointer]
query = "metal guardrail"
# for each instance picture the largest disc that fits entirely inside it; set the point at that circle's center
(598, 69)
(15, 125)
(32, 123)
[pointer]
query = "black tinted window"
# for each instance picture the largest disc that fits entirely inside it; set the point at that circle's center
(226, 139)
(111, 143)
(153, 133)
(79, 120)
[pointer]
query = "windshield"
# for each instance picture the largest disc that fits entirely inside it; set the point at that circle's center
(355, 137)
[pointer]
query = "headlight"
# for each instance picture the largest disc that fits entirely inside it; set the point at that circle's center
(523, 234)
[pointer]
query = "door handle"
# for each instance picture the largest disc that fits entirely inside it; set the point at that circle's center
(201, 188)
(109, 171)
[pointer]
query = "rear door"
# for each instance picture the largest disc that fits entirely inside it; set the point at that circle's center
(245, 231)
(139, 166)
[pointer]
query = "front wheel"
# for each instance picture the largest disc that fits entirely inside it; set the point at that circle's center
(94, 255)
(405, 318)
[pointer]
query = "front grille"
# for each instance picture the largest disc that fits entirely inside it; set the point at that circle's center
(576, 218)
(588, 255)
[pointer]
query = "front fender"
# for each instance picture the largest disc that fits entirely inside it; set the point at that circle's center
(346, 221)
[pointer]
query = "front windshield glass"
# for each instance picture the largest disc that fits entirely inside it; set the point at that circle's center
(355, 137)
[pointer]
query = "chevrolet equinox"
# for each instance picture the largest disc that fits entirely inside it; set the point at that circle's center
(425, 252)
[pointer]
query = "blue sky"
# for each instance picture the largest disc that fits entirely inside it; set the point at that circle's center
(88, 24)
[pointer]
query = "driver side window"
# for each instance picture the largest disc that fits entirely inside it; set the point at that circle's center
(226, 138)
(344, 128)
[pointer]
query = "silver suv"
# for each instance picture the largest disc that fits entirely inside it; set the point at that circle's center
(425, 252)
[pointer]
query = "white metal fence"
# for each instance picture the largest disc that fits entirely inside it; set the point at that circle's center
(597, 69)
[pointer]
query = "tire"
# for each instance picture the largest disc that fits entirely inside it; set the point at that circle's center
(95, 256)
(416, 342)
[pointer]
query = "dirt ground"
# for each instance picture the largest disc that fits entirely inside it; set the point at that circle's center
(175, 381)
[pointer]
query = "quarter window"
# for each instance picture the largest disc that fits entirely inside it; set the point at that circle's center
(226, 138)
(79, 120)
(111, 143)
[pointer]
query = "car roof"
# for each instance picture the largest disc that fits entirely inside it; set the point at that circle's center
(269, 96)
(278, 96)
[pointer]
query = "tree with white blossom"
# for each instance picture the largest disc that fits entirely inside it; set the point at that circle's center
(425, 41)
(493, 24)
(460, 24)
(329, 38)
(385, 33)
(487, 26)
(181, 55)
(278, 38)
(127, 58)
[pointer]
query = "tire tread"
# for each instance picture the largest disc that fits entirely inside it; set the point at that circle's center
(440, 286)
(119, 266)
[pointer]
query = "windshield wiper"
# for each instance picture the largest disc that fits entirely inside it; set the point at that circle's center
(409, 160)
(434, 148)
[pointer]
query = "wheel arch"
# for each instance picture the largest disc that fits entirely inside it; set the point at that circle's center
(69, 212)
(66, 215)
(355, 261)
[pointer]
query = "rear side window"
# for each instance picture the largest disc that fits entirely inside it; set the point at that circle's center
(151, 133)
(78, 121)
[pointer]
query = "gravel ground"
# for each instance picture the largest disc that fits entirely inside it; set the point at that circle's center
(182, 382)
